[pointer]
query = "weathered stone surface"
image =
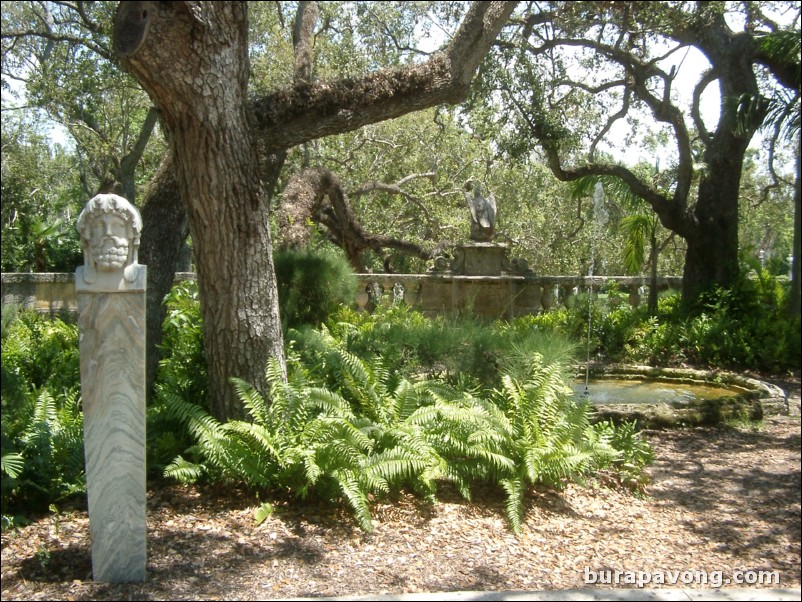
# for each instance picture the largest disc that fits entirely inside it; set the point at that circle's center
(112, 347)
(480, 259)
(111, 326)
(755, 400)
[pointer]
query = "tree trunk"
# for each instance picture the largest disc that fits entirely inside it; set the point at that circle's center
(652, 305)
(193, 61)
(164, 235)
(711, 258)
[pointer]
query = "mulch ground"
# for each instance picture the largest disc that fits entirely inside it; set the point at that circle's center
(721, 501)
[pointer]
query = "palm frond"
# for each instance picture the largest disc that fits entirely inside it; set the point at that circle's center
(12, 464)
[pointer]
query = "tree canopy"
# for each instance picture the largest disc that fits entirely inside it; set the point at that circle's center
(572, 71)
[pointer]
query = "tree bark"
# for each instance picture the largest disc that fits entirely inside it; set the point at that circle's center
(317, 194)
(711, 257)
(795, 307)
(192, 60)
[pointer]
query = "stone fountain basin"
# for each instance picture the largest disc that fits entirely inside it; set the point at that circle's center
(659, 397)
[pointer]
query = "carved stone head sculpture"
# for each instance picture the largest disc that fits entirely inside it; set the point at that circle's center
(110, 228)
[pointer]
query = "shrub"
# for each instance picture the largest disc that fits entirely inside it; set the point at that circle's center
(745, 327)
(312, 284)
(181, 374)
(459, 350)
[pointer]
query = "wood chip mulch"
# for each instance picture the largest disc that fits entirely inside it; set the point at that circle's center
(720, 500)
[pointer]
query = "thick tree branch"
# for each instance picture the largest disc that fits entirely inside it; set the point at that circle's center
(610, 122)
(707, 78)
(318, 195)
(305, 112)
(396, 188)
(670, 212)
(641, 72)
(129, 161)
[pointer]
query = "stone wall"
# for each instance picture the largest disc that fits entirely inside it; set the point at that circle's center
(505, 296)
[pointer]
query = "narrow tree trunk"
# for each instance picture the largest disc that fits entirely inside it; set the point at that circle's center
(192, 60)
(652, 305)
(164, 234)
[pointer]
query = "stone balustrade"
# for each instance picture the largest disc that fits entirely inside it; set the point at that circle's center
(50, 293)
(504, 296)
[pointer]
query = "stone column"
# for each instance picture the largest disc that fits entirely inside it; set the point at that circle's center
(111, 323)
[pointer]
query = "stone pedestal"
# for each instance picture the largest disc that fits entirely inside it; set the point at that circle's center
(112, 348)
(480, 259)
(110, 288)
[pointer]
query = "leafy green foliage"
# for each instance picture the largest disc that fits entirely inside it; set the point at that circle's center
(633, 454)
(39, 190)
(548, 435)
(745, 327)
(42, 423)
(343, 428)
(38, 353)
(312, 283)
(182, 373)
(454, 349)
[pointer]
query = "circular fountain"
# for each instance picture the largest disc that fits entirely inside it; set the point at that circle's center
(672, 396)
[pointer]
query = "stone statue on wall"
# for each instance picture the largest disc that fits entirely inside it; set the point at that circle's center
(110, 228)
(483, 212)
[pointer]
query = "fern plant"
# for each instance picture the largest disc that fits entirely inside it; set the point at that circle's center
(370, 431)
(634, 454)
(547, 435)
(44, 462)
(306, 440)
(444, 434)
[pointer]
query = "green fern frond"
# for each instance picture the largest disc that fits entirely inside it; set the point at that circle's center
(183, 471)
(312, 470)
(405, 400)
(355, 497)
(12, 464)
(424, 415)
(497, 462)
(264, 441)
(329, 403)
(45, 418)
(251, 399)
(514, 504)
(396, 465)
(263, 512)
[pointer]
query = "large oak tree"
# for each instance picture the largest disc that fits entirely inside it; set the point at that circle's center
(620, 53)
(192, 59)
